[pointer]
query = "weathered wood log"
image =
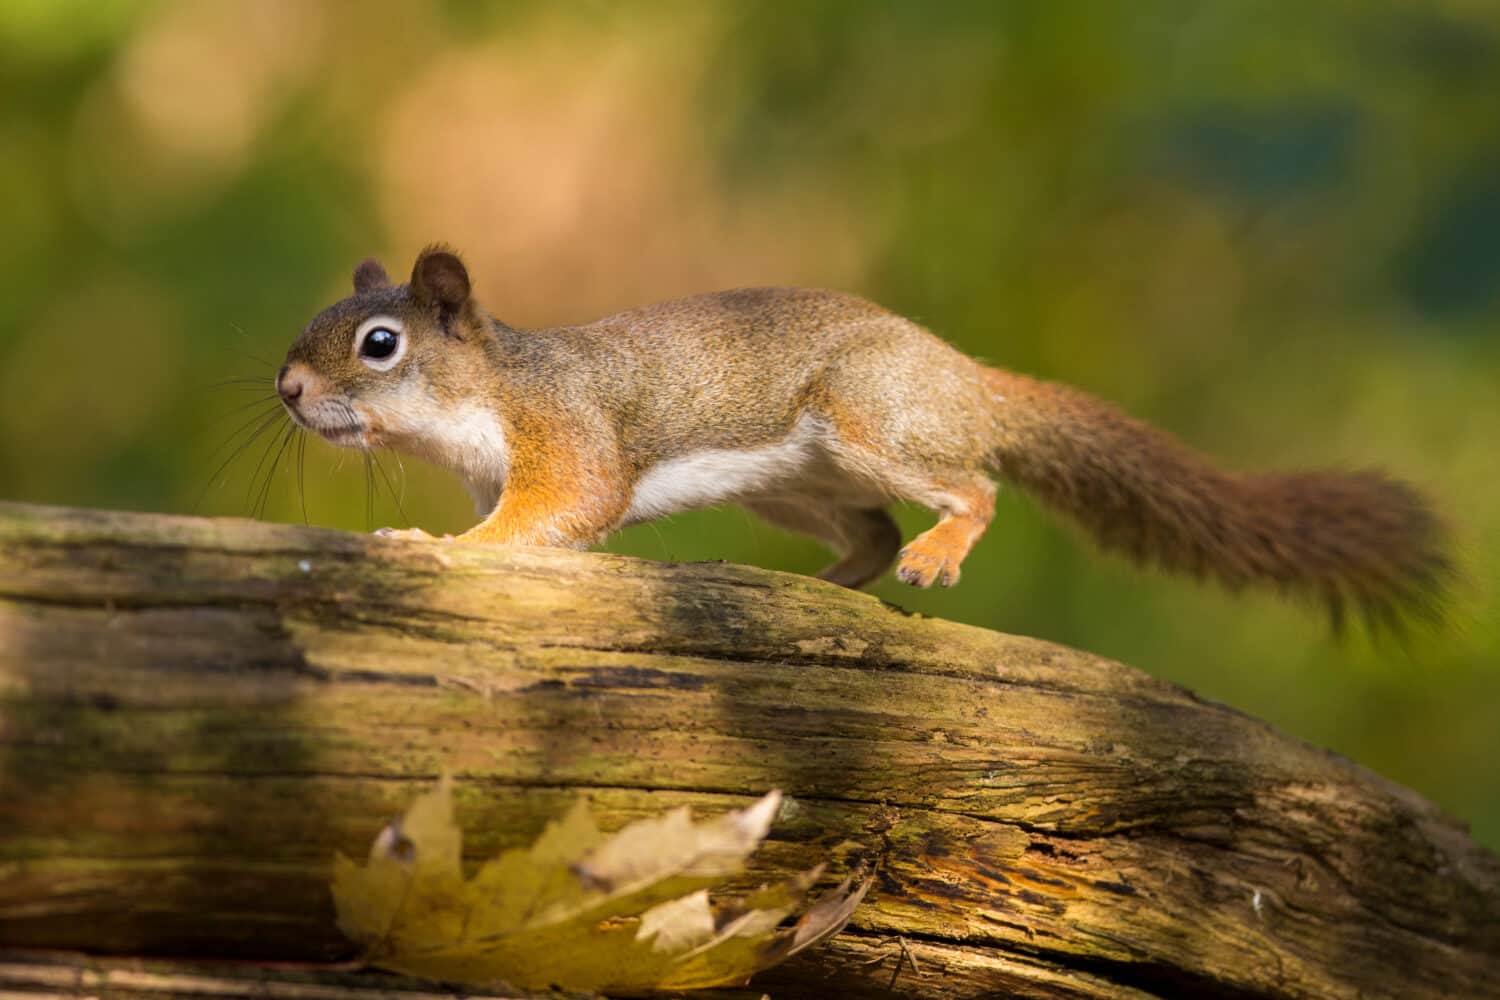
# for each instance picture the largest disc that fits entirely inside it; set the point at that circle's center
(196, 714)
(48, 975)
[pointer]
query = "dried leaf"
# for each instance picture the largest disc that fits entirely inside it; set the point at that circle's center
(628, 913)
(678, 925)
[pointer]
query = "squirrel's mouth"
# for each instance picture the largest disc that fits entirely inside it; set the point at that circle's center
(344, 437)
(332, 420)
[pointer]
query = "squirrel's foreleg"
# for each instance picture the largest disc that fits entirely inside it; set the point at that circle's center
(550, 498)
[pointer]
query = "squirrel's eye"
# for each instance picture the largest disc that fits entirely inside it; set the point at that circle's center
(379, 343)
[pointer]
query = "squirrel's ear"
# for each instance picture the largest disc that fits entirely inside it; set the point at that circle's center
(439, 278)
(369, 275)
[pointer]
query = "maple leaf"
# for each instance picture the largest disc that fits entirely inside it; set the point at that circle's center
(580, 910)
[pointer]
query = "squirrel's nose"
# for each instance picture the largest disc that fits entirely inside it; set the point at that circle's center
(289, 384)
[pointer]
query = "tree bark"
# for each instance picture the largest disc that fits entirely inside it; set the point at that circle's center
(195, 714)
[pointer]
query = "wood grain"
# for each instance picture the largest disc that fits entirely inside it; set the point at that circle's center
(195, 714)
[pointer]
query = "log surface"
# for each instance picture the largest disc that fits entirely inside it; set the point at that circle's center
(195, 714)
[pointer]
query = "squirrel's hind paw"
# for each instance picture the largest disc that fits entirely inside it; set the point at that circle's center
(921, 566)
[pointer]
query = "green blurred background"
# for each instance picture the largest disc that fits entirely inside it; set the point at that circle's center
(1271, 227)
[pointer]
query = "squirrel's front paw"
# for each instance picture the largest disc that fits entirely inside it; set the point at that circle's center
(411, 535)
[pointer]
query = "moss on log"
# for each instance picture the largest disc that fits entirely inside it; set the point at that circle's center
(195, 714)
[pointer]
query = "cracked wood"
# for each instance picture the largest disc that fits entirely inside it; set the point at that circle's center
(195, 714)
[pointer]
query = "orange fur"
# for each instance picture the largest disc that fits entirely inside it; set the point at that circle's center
(548, 505)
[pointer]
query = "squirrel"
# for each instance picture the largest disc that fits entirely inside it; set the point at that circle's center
(816, 410)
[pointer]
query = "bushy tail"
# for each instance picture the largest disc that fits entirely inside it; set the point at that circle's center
(1355, 539)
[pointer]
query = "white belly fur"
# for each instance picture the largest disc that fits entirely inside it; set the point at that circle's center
(722, 475)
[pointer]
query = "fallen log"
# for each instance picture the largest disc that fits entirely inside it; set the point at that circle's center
(195, 714)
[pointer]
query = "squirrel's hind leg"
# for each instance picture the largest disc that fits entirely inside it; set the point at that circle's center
(908, 419)
(963, 498)
(965, 508)
(865, 538)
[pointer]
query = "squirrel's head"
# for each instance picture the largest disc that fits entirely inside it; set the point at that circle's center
(390, 362)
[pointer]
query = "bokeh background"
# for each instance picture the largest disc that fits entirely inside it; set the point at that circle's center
(1271, 227)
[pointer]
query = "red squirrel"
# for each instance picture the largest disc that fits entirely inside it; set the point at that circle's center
(815, 410)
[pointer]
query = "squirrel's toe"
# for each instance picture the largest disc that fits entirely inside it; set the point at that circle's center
(407, 534)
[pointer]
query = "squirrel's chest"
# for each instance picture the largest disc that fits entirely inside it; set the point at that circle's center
(470, 441)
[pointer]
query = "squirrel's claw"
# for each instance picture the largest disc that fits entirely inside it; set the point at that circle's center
(922, 568)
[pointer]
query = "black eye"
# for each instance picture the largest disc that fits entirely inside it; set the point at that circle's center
(379, 343)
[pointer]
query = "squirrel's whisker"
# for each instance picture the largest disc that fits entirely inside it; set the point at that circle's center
(246, 434)
(374, 457)
(272, 453)
(253, 357)
(246, 382)
(369, 492)
(270, 402)
(301, 475)
(265, 490)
